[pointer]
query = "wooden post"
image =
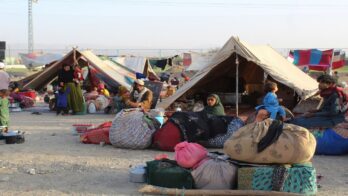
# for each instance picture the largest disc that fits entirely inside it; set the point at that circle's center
(330, 67)
(237, 85)
(154, 190)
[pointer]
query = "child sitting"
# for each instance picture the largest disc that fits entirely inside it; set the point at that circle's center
(271, 103)
(62, 101)
(102, 90)
(4, 110)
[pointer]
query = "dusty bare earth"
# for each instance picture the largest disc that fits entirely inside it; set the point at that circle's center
(64, 166)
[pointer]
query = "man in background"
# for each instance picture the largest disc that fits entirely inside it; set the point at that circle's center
(140, 97)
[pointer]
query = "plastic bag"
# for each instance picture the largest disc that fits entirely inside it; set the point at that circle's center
(188, 154)
(91, 108)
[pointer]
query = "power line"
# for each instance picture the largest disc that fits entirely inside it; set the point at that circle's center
(230, 3)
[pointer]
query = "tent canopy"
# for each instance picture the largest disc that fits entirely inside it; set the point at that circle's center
(33, 60)
(199, 61)
(137, 64)
(255, 61)
(109, 73)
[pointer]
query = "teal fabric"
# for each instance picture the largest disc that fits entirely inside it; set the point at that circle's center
(4, 112)
(301, 179)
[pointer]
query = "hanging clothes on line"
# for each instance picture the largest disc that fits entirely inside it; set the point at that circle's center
(162, 63)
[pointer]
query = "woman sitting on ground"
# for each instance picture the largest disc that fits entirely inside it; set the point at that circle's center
(118, 101)
(214, 105)
(330, 113)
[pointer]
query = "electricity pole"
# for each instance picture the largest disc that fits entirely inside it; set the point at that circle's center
(30, 26)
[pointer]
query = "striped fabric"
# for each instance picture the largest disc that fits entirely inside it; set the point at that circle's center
(318, 60)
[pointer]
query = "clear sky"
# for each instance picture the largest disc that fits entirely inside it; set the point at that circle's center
(176, 24)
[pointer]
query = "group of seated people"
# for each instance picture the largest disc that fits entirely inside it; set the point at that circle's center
(329, 115)
(138, 97)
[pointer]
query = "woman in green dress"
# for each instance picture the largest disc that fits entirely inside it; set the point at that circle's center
(66, 80)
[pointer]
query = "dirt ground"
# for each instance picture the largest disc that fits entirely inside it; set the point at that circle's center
(64, 166)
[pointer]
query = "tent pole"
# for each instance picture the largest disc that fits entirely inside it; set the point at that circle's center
(74, 56)
(330, 67)
(237, 84)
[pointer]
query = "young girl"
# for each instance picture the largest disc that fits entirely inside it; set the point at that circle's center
(78, 77)
(102, 90)
(271, 103)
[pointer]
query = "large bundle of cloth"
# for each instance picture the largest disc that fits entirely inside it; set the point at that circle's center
(215, 172)
(132, 128)
(219, 140)
(270, 141)
(200, 126)
(299, 178)
(23, 100)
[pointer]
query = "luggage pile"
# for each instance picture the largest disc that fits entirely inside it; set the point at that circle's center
(196, 168)
(261, 156)
(208, 130)
(136, 129)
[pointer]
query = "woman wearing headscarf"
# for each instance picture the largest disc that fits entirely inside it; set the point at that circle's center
(66, 80)
(214, 105)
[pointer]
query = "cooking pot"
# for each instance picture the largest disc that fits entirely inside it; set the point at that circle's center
(13, 137)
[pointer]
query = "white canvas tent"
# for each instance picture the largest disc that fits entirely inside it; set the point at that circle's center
(137, 64)
(255, 61)
(110, 74)
(36, 59)
(199, 61)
